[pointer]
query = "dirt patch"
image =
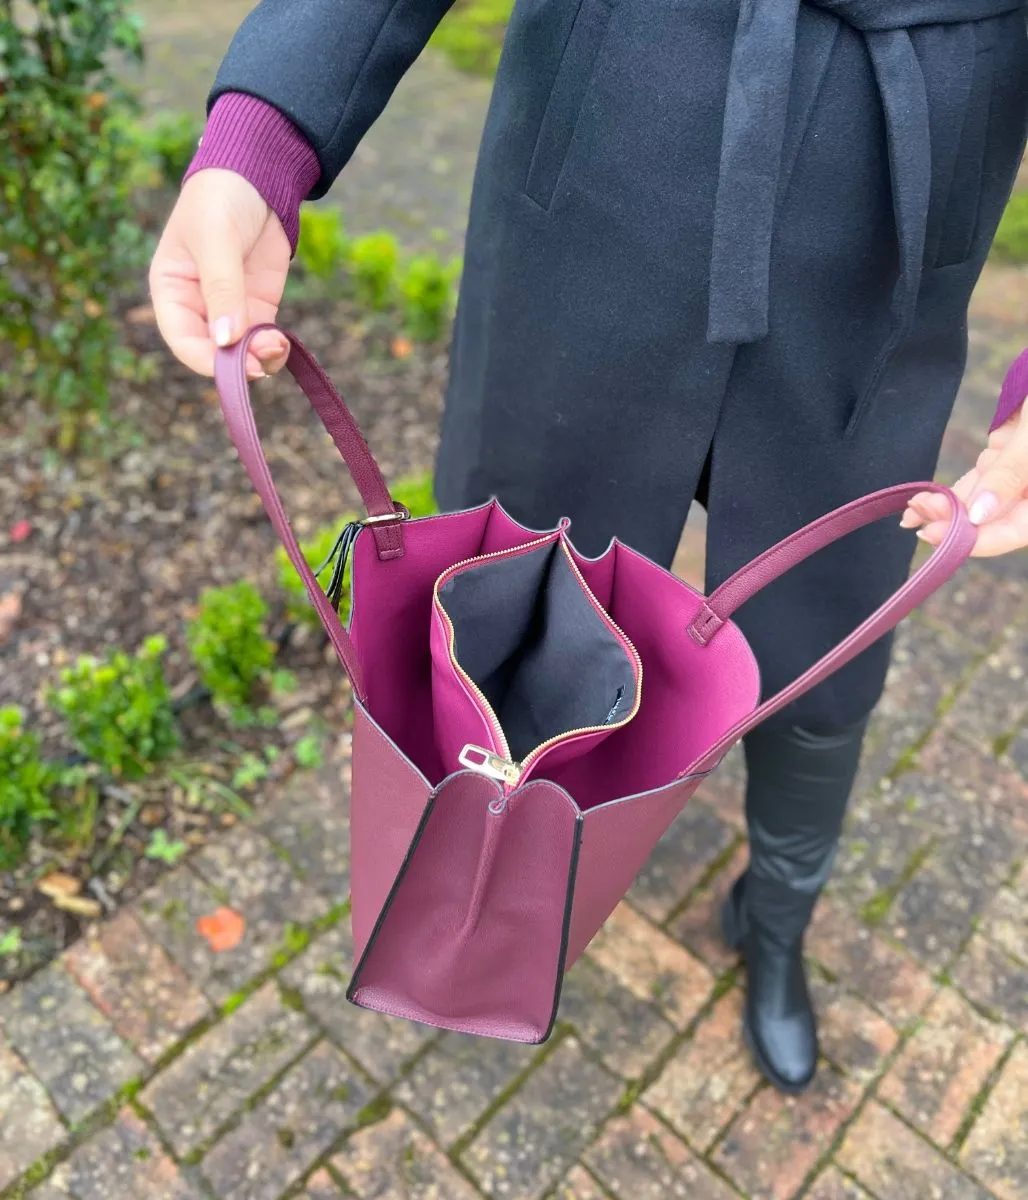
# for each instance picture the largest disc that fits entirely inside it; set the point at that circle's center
(110, 549)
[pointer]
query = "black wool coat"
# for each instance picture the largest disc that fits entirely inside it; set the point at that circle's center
(740, 233)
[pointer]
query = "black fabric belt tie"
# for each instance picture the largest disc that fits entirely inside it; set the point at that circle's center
(759, 82)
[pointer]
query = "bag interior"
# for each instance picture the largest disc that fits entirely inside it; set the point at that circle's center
(529, 636)
(689, 699)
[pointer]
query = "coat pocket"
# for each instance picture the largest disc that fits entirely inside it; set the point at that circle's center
(960, 215)
(567, 95)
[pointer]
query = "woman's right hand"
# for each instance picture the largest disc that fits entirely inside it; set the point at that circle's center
(220, 267)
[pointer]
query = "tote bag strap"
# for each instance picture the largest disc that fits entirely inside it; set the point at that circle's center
(384, 517)
(1013, 392)
(745, 583)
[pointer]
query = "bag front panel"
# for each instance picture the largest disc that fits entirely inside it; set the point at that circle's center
(617, 839)
(473, 933)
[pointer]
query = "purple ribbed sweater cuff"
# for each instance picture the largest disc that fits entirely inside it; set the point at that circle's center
(254, 139)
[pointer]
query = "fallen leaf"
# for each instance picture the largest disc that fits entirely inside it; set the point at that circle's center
(223, 929)
(151, 815)
(402, 347)
(79, 905)
(57, 883)
(10, 611)
(93, 308)
(20, 530)
(142, 314)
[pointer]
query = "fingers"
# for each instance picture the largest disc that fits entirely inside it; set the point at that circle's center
(220, 262)
(219, 268)
(271, 350)
(182, 320)
(1000, 536)
(1003, 483)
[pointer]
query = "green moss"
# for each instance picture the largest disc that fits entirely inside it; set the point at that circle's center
(877, 908)
(334, 915)
(234, 1001)
(327, 970)
(291, 998)
(628, 1097)
(1002, 744)
(907, 761)
(1011, 244)
(374, 1112)
(129, 1091)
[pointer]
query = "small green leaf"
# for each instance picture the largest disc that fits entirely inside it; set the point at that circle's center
(10, 943)
(283, 682)
(164, 850)
(307, 751)
(251, 770)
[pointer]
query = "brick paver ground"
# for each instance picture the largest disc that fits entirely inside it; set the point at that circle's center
(145, 1066)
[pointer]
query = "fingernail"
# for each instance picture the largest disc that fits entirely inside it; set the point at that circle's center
(222, 331)
(924, 537)
(983, 508)
(909, 520)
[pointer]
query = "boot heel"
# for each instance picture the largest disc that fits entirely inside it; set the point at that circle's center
(733, 925)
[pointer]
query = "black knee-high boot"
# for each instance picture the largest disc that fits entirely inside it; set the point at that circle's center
(799, 783)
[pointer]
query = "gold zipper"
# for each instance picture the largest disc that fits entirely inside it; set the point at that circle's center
(502, 767)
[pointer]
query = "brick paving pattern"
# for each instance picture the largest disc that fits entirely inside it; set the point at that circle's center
(145, 1065)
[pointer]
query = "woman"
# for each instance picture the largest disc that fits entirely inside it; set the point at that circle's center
(719, 249)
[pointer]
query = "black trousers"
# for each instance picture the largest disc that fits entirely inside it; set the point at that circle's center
(799, 782)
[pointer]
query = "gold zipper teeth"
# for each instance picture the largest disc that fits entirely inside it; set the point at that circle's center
(490, 712)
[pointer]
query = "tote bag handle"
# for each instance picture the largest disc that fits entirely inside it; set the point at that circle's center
(384, 517)
(722, 603)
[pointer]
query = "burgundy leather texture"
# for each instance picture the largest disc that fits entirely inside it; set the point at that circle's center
(234, 392)
(470, 896)
(472, 935)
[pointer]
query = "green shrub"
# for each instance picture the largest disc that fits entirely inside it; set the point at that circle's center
(1011, 244)
(414, 491)
(26, 784)
(472, 34)
(69, 163)
(426, 288)
(170, 142)
(373, 260)
(118, 708)
(316, 550)
(229, 643)
(322, 248)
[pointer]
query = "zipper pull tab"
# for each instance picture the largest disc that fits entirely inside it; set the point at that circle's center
(484, 762)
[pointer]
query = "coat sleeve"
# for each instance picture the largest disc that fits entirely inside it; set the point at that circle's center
(329, 65)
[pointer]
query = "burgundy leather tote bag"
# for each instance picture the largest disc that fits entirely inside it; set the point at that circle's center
(528, 722)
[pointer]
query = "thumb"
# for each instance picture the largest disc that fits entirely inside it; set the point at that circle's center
(1004, 481)
(220, 263)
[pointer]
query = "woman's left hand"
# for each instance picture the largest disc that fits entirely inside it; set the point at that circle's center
(995, 492)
